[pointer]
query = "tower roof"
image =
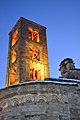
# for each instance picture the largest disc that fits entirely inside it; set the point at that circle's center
(29, 21)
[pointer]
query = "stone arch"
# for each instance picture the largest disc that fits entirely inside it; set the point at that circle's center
(41, 99)
(29, 99)
(15, 101)
(54, 98)
(4, 105)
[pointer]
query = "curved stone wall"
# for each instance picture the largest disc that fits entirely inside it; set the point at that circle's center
(40, 101)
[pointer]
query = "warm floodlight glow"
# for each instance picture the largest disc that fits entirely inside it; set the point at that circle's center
(13, 56)
(33, 34)
(34, 53)
(35, 74)
(14, 37)
(30, 33)
(12, 77)
(27, 54)
(36, 71)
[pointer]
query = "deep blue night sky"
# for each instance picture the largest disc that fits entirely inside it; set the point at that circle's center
(62, 19)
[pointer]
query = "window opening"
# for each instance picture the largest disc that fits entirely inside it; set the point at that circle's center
(35, 74)
(34, 53)
(33, 34)
(13, 56)
(30, 33)
(31, 53)
(12, 76)
(31, 73)
(14, 37)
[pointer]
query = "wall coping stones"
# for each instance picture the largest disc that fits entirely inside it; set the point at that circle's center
(59, 81)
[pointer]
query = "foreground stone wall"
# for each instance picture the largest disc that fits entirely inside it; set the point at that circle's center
(46, 100)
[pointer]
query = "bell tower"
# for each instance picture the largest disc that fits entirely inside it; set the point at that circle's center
(27, 53)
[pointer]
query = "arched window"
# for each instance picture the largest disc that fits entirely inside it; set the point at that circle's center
(32, 73)
(14, 37)
(13, 56)
(36, 36)
(12, 76)
(30, 33)
(34, 53)
(35, 74)
(33, 34)
(39, 75)
(31, 52)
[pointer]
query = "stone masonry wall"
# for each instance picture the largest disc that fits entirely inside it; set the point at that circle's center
(40, 100)
(23, 62)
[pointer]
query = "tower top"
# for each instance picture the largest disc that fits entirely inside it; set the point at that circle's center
(28, 21)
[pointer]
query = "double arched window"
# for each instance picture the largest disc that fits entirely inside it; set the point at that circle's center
(34, 53)
(35, 74)
(33, 34)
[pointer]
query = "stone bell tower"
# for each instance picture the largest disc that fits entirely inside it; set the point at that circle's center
(27, 53)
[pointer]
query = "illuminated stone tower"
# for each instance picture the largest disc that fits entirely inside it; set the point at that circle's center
(27, 53)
